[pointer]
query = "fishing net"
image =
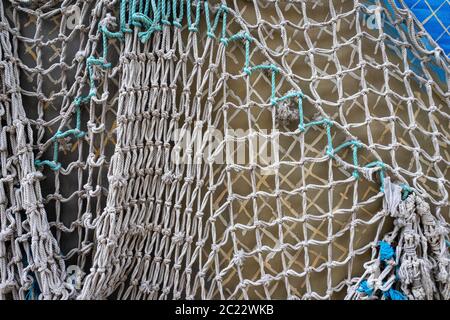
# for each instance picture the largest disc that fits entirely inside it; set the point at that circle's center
(222, 150)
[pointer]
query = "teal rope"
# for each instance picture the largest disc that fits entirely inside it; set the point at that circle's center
(224, 23)
(146, 8)
(123, 14)
(211, 29)
(131, 12)
(165, 12)
(315, 123)
(329, 124)
(151, 15)
(208, 22)
(247, 68)
(77, 133)
(241, 36)
(344, 145)
(90, 62)
(386, 253)
(34, 291)
(177, 18)
(151, 25)
(390, 294)
(355, 144)
(355, 160)
(112, 35)
(193, 27)
(217, 18)
(406, 191)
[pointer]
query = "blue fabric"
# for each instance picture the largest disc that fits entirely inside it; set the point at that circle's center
(435, 17)
(432, 6)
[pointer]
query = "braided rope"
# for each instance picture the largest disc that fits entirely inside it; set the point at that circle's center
(346, 100)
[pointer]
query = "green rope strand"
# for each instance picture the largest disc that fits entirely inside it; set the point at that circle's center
(156, 12)
(177, 17)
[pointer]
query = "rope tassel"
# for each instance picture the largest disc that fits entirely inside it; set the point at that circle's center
(417, 267)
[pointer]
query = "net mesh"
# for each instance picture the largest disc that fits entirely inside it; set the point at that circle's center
(432, 14)
(222, 150)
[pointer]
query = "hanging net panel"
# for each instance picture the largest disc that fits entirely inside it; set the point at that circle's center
(184, 149)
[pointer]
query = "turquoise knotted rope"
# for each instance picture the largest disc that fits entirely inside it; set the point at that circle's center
(386, 251)
(150, 16)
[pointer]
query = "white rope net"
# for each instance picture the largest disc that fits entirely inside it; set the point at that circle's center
(238, 149)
